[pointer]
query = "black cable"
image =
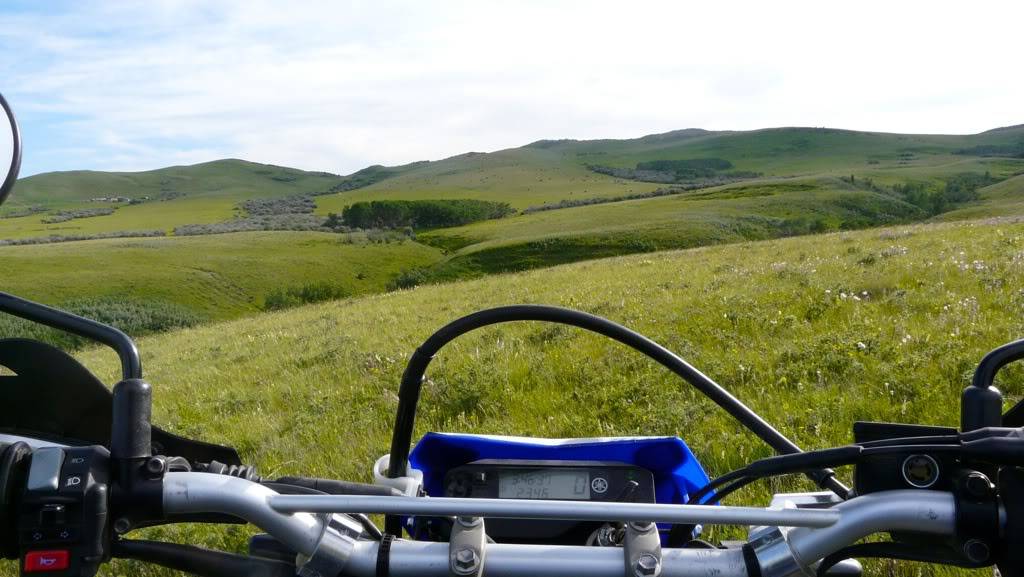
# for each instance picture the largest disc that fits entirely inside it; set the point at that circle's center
(286, 489)
(412, 378)
(899, 551)
(801, 462)
(199, 561)
(927, 440)
(731, 488)
(695, 498)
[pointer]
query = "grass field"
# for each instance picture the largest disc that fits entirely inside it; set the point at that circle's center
(549, 171)
(216, 276)
(199, 194)
(532, 175)
(775, 204)
(812, 332)
(727, 214)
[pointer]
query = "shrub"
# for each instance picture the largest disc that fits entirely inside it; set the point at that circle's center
(135, 317)
(296, 204)
(66, 215)
(706, 171)
(300, 222)
(77, 237)
(408, 279)
(422, 213)
(26, 211)
(313, 292)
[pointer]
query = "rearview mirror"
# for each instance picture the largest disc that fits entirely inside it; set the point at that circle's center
(10, 150)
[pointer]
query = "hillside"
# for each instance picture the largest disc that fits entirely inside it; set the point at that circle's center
(168, 197)
(191, 280)
(541, 173)
(573, 200)
(813, 332)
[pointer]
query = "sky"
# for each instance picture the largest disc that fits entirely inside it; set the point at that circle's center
(337, 86)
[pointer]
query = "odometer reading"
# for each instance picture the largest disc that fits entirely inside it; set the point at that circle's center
(544, 484)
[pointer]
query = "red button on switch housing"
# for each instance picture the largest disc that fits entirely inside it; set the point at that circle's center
(38, 561)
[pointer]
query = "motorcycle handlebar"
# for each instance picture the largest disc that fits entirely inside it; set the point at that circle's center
(920, 511)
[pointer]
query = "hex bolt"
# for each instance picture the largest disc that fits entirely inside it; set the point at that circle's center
(647, 565)
(977, 550)
(469, 521)
(122, 526)
(465, 561)
(155, 465)
(641, 526)
(978, 485)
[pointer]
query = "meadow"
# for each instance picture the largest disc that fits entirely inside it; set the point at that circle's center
(214, 276)
(812, 332)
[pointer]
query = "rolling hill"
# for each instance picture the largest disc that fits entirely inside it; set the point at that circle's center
(575, 200)
(812, 332)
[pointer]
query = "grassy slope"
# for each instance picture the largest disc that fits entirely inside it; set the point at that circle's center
(209, 193)
(543, 172)
(1001, 199)
(548, 171)
(217, 276)
(727, 214)
(520, 176)
(313, 390)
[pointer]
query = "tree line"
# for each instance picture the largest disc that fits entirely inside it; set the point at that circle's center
(418, 213)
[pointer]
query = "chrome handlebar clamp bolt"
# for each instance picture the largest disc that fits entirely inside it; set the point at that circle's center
(334, 549)
(467, 547)
(647, 565)
(465, 562)
(642, 549)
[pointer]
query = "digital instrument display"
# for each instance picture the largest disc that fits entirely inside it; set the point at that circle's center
(550, 483)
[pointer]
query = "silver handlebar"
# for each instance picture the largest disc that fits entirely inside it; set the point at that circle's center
(544, 509)
(929, 512)
(210, 493)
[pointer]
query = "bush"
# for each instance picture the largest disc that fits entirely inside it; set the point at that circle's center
(133, 316)
(296, 204)
(66, 215)
(957, 189)
(422, 213)
(300, 222)
(408, 279)
(308, 293)
(706, 171)
(77, 237)
(26, 211)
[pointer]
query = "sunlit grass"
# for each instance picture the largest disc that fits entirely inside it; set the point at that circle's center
(813, 333)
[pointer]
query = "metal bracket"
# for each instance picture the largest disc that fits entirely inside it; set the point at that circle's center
(340, 535)
(642, 549)
(410, 485)
(467, 547)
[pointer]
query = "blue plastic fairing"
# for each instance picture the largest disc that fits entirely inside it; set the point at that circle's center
(676, 471)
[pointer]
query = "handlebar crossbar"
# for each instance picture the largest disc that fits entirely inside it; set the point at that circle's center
(537, 509)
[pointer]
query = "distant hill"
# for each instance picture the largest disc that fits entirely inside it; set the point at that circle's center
(231, 177)
(676, 189)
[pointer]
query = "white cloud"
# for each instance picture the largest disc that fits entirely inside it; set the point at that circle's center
(339, 85)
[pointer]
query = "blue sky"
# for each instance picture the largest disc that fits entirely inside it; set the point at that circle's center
(337, 86)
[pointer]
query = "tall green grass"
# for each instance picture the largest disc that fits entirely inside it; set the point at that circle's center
(812, 332)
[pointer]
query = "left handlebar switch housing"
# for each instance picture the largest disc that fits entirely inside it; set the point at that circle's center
(63, 520)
